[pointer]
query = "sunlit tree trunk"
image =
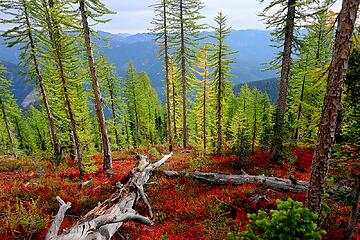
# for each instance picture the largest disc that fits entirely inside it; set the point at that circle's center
(254, 125)
(296, 134)
(328, 122)
(54, 138)
(8, 130)
(166, 50)
(54, 36)
(284, 82)
(183, 76)
(96, 90)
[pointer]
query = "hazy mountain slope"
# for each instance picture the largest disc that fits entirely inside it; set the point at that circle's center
(20, 86)
(252, 49)
(269, 86)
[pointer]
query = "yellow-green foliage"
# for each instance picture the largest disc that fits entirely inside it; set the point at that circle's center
(27, 215)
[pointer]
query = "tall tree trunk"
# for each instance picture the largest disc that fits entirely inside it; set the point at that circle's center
(54, 35)
(53, 134)
(204, 99)
(174, 108)
(136, 135)
(166, 50)
(111, 93)
(327, 126)
(296, 135)
(284, 82)
(20, 137)
(183, 75)
(41, 139)
(242, 133)
(219, 98)
(254, 126)
(8, 130)
(107, 165)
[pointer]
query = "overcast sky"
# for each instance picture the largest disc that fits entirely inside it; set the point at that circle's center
(134, 16)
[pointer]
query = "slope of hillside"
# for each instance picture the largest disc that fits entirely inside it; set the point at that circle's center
(269, 86)
(20, 85)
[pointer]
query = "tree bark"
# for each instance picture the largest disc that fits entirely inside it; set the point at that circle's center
(296, 135)
(166, 58)
(328, 122)
(111, 93)
(284, 82)
(107, 165)
(254, 126)
(8, 130)
(18, 131)
(183, 76)
(53, 134)
(280, 184)
(219, 107)
(204, 99)
(103, 221)
(174, 109)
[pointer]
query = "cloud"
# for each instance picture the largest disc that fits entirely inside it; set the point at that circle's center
(135, 15)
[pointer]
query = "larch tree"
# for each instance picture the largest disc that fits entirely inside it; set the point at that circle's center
(255, 129)
(175, 98)
(95, 9)
(132, 99)
(184, 16)
(328, 122)
(204, 97)
(220, 61)
(283, 20)
(161, 31)
(54, 16)
(308, 85)
(6, 105)
(266, 128)
(244, 133)
(36, 122)
(22, 34)
(111, 90)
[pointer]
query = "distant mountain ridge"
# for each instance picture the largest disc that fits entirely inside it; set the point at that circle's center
(252, 49)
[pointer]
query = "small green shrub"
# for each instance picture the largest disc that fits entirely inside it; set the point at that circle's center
(289, 221)
(153, 152)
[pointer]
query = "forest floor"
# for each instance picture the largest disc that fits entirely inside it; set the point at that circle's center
(183, 208)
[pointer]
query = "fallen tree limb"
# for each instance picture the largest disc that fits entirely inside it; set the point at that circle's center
(280, 184)
(103, 221)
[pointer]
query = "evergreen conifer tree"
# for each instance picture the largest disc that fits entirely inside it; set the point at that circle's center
(221, 62)
(185, 33)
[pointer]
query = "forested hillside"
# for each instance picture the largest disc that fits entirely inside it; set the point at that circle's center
(269, 86)
(170, 134)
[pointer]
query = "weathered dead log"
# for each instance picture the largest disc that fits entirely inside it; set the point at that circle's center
(103, 221)
(280, 184)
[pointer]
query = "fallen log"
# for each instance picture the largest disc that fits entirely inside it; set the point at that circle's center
(103, 221)
(280, 184)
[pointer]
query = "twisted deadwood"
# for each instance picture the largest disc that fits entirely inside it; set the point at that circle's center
(103, 221)
(280, 184)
